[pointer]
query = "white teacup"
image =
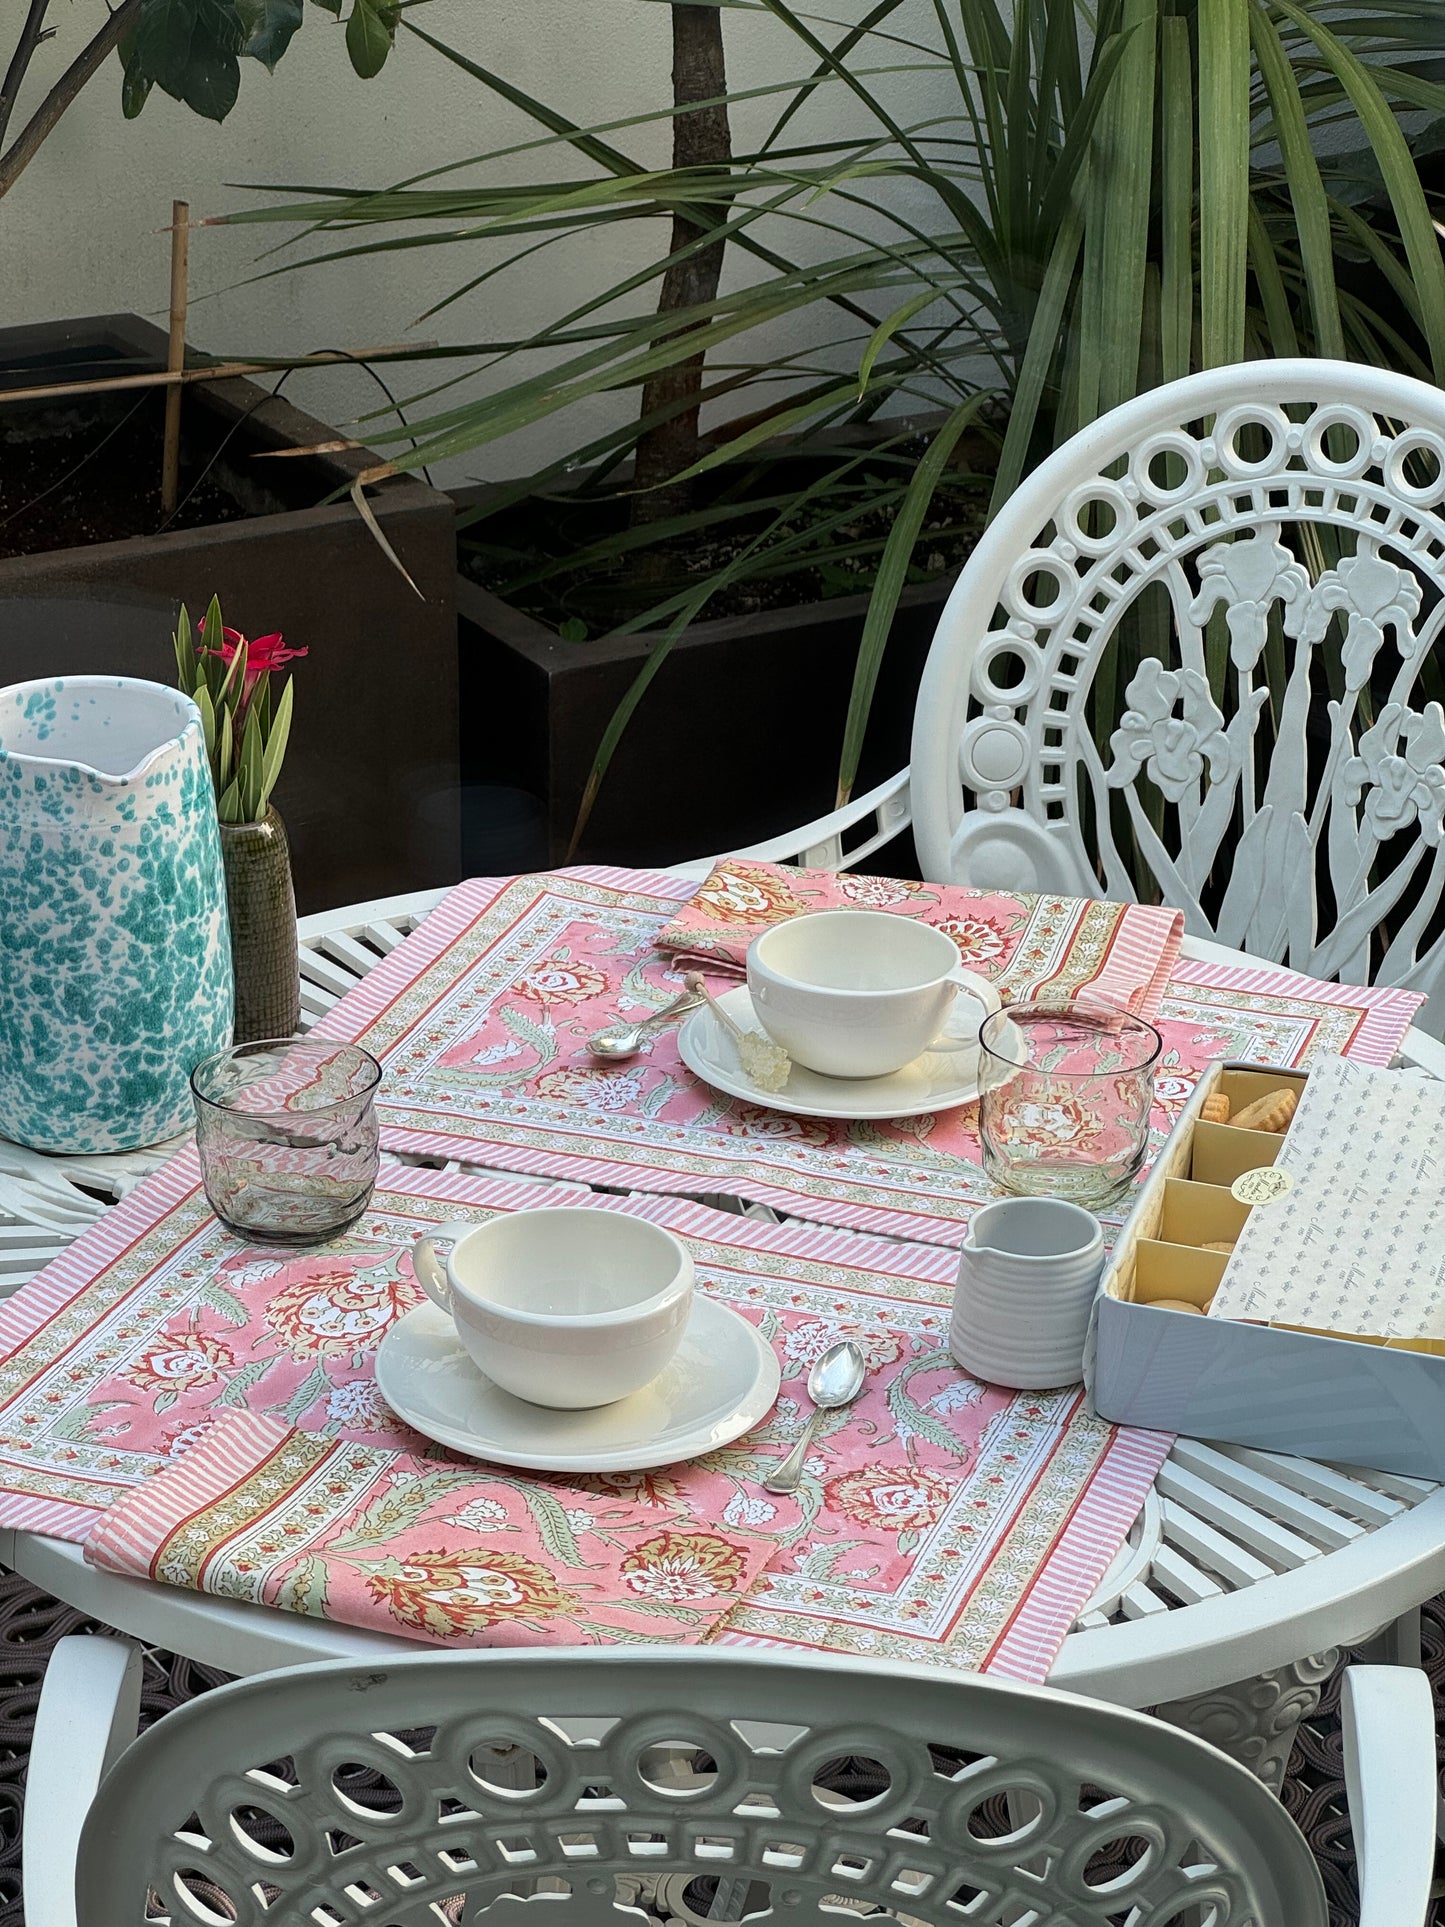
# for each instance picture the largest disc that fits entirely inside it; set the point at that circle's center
(566, 1307)
(860, 993)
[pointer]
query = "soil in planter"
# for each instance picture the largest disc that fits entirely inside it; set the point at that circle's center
(540, 555)
(99, 482)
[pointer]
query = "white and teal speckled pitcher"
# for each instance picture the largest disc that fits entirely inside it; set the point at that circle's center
(115, 957)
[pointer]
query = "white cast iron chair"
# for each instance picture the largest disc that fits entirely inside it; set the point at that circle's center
(797, 1790)
(1281, 524)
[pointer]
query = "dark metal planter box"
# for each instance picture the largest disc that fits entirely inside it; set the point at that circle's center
(736, 739)
(370, 789)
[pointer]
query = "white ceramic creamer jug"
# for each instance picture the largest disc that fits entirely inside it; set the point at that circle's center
(1026, 1281)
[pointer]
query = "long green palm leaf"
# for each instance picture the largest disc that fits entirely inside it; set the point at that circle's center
(1402, 183)
(1176, 198)
(1306, 189)
(892, 575)
(1223, 177)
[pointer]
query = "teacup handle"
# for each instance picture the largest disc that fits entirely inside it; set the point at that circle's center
(427, 1267)
(983, 993)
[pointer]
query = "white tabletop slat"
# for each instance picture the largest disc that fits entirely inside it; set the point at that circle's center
(1182, 1578)
(1214, 1551)
(1327, 1483)
(17, 1238)
(1140, 1602)
(19, 1264)
(1276, 1501)
(1396, 1484)
(351, 955)
(1266, 1536)
(384, 937)
(320, 970)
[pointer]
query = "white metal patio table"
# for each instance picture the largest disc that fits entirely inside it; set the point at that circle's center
(1244, 1573)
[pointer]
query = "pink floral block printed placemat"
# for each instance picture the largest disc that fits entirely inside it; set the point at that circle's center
(1266, 1012)
(1277, 1016)
(446, 1553)
(481, 1018)
(939, 1520)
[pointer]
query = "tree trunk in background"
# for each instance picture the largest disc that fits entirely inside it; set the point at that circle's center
(699, 139)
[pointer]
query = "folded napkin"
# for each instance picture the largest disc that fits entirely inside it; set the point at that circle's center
(1123, 951)
(430, 1550)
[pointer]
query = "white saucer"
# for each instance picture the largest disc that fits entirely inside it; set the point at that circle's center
(936, 1081)
(722, 1381)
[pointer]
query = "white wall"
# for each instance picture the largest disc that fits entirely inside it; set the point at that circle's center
(83, 229)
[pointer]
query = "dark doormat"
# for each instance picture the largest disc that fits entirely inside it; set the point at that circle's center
(31, 1622)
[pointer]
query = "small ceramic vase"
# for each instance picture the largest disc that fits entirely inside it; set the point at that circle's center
(1026, 1282)
(264, 952)
(115, 964)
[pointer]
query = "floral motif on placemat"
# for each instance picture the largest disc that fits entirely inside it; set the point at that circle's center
(927, 1511)
(482, 1020)
(456, 1555)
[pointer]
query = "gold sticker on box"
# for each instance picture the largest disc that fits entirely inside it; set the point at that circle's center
(1263, 1185)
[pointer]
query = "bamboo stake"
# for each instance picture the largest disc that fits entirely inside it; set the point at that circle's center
(214, 371)
(338, 447)
(176, 355)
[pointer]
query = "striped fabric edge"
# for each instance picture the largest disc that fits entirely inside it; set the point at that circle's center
(366, 1000)
(50, 1518)
(1081, 1556)
(660, 883)
(125, 1538)
(142, 1209)
(23, 1314)
(1386, 1013)
(1142, 956)
(139, 1211)
(929, 1264)
(886, 1220)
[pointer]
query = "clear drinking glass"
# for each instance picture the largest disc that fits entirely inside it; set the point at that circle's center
(288, 1137)
(1066, 1088)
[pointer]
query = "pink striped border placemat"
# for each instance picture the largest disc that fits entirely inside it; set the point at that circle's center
(939, 1520)
(482, 1017)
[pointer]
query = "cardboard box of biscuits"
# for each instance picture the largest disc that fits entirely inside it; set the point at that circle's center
(1281, 1281)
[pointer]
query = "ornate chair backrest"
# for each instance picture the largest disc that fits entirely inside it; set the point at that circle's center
(1192, 657)
(489, 1787)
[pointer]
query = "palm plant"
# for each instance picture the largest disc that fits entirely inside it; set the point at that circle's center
(1104, 197)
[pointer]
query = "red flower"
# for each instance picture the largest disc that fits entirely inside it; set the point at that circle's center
(263, 654)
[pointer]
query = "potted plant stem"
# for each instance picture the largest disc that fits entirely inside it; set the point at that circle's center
(228, 677)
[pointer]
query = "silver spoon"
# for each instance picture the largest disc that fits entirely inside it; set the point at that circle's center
(625, 1040)
(835, 1380)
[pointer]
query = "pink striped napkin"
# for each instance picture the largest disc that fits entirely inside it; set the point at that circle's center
(1029, 944)
(429, 1550)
